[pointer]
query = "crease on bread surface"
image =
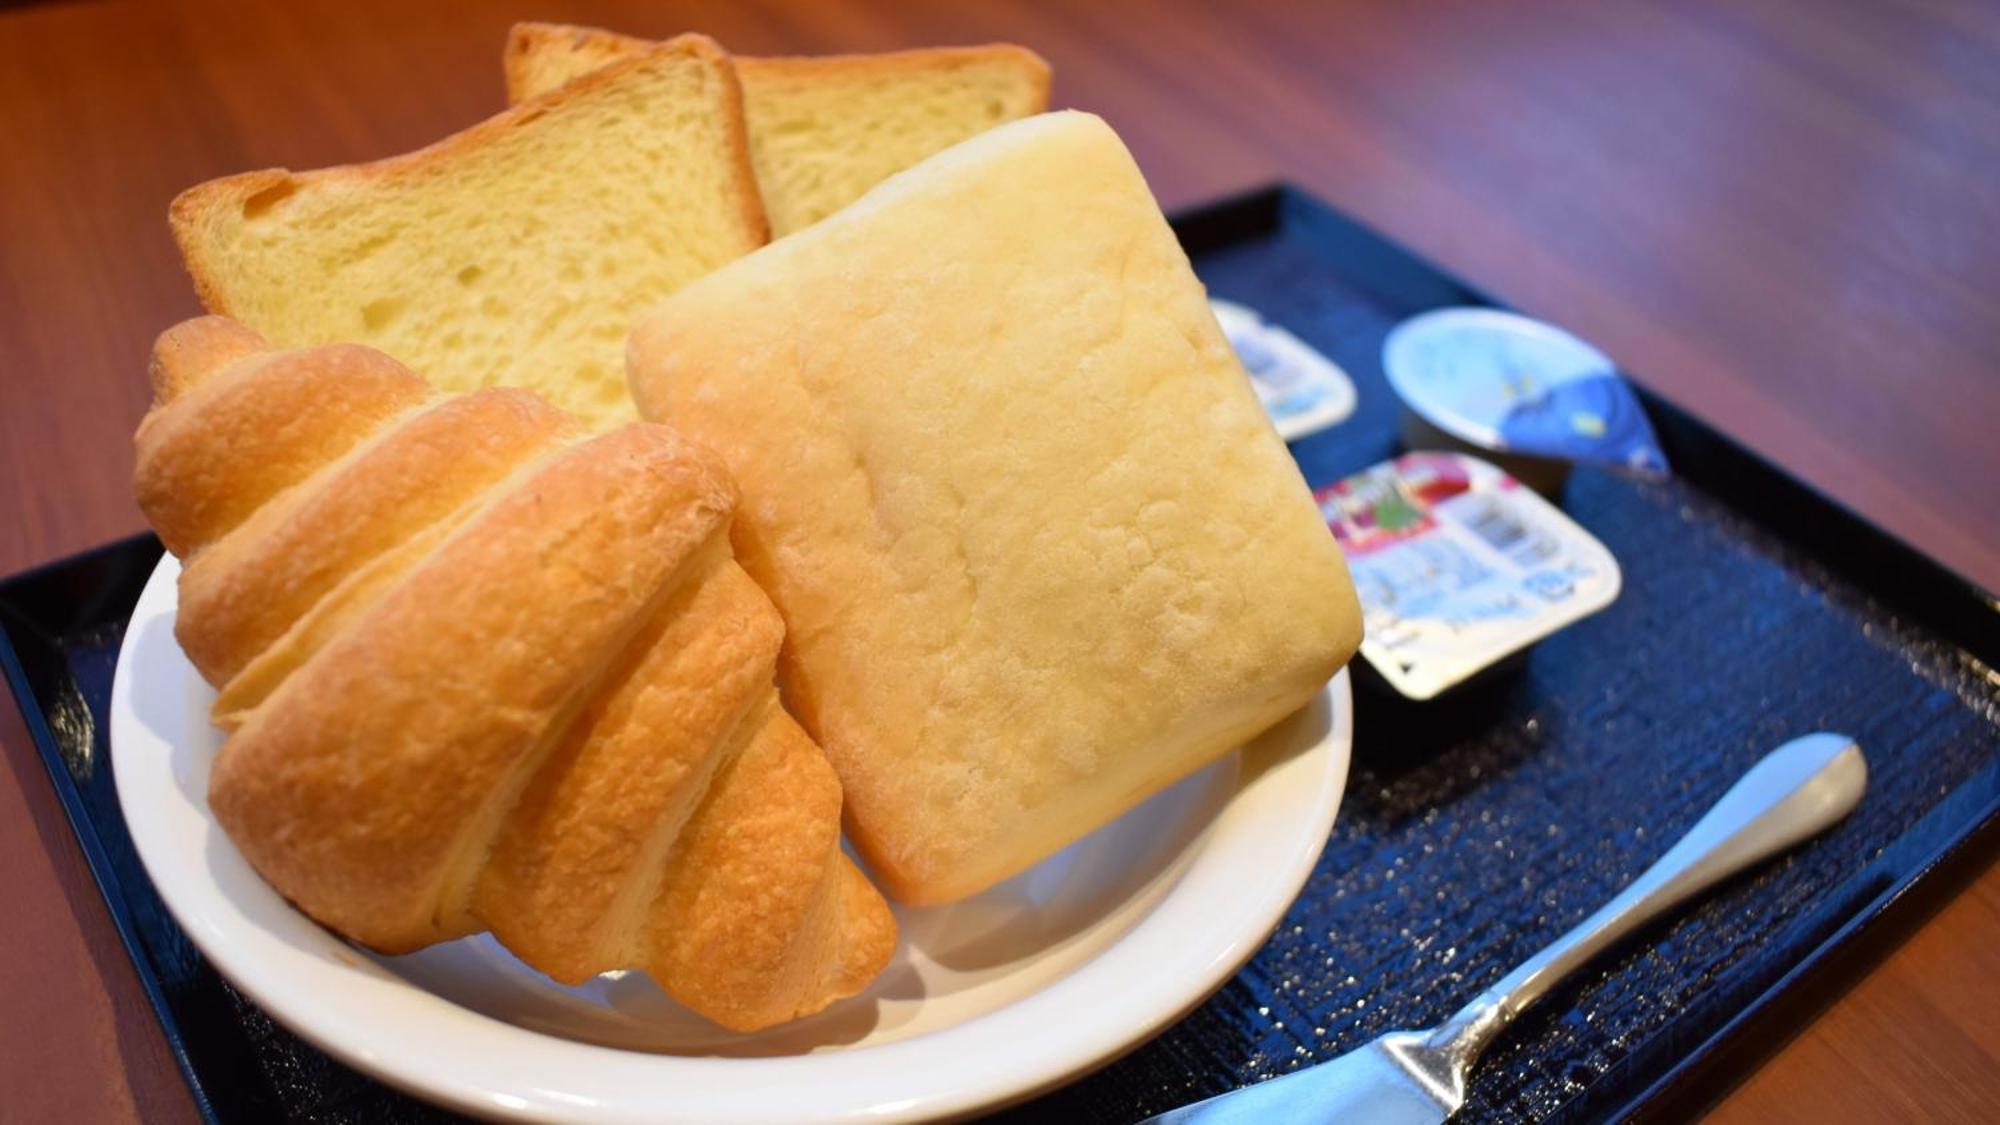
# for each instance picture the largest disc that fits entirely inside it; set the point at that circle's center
(515, 252)
(1038, 549)
(538, 700)
(822, 129)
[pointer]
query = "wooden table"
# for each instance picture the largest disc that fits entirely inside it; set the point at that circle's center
(1783, 215)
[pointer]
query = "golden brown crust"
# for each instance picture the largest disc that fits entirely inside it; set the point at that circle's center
(239, 596)
(793, 67)
(752, 200)
(526, 39)
(866, 931)
(190, 210)
(190, 352)
(773, 811)
(255, 427)
(362, 785)
(480, 672)
(571, 875)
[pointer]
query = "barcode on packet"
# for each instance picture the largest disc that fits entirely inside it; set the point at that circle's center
(1508, 534)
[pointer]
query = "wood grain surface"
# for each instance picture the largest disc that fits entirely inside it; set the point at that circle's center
(1782, 215)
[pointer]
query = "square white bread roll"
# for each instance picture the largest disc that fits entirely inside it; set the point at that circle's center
(1038, 549)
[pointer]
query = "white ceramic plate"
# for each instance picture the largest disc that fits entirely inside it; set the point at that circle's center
(988, 1000)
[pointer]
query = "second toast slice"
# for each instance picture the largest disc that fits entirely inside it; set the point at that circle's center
(823, 130)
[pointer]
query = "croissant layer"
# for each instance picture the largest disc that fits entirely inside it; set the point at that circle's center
(482, 671)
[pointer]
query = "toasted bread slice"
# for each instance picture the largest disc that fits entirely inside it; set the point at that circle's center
(823, 130)
(517, 252)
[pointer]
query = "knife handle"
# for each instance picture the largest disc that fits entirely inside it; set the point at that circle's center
(1793, 792)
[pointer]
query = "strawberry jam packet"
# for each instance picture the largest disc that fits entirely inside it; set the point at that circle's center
(1459, 566)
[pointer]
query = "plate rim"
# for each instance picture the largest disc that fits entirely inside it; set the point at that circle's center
(448, 1074)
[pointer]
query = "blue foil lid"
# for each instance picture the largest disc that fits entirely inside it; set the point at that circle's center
(1508, 383)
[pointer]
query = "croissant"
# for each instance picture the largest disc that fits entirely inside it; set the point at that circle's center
(479, 669)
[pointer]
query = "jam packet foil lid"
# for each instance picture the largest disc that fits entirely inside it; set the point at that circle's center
(1303, 391)
(1502, 382)
(1459, 566)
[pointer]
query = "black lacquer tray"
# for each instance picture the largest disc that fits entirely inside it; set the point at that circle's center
(1474, 829)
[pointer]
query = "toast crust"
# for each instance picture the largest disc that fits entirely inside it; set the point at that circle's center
(914, 59)
(526, 39)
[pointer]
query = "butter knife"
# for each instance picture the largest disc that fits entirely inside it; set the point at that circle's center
(1419, 1077)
